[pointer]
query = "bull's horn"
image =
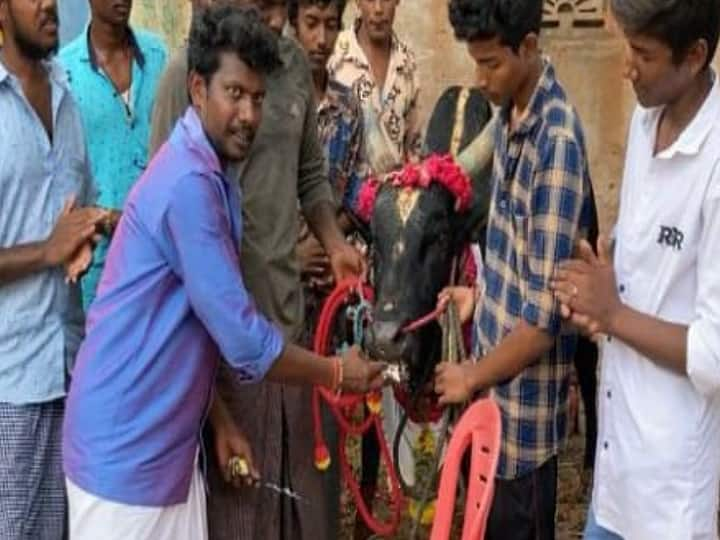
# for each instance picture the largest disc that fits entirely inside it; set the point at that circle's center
(477, 155)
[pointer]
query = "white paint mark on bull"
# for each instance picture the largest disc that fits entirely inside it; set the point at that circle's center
(388, 306)
(405, 203)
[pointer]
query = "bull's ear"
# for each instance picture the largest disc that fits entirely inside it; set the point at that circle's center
(438, 135)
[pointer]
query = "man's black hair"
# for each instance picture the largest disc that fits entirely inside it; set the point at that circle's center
(225, 28)
(677, 23)
(294, 8)
(509, 20)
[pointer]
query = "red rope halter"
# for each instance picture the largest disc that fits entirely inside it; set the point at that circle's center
(342, 408)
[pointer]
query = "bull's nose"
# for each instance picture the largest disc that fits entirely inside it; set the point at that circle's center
(386, 341)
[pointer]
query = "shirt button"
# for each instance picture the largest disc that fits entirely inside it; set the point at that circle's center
(605, 445)
(622, 288)
(609, 394)
(609, 339)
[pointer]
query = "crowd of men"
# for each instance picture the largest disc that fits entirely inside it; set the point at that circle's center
(169, 224)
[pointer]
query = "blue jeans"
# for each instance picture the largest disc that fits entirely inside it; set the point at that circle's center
(593, 531)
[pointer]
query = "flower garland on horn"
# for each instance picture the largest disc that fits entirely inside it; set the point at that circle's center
(441, 169)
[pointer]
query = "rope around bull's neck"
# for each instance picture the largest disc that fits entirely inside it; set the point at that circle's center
(453, 350)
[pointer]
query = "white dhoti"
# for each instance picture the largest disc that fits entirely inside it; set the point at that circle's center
(94, 518)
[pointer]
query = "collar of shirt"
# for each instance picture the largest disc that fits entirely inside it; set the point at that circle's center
(535, 105)
(191, 135)
(400, 58)
(88, 52)
(57, 74)
(695, 133)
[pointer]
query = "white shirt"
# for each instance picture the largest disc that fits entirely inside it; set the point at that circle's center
(658, 460)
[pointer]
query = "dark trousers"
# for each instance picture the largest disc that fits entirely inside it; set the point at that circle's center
(524, 508)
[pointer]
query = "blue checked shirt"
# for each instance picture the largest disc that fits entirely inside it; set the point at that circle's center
(541, 206)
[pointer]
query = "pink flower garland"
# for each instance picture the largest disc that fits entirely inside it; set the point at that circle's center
(437, 168)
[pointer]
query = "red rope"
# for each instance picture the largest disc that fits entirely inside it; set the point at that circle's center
(342, 408)
(423, 321)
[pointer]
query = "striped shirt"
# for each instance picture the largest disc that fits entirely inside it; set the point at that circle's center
(541, 206)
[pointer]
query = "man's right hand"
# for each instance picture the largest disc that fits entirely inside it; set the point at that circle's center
(72, 229)
(359, 374)
(464, 298)
(314, 262)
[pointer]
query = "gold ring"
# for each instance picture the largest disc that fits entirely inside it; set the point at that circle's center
(238, 466)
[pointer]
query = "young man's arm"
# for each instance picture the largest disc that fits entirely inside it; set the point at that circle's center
(588, 289)
(552, 227)
(72, 229)
(201, 252)
(318, 202)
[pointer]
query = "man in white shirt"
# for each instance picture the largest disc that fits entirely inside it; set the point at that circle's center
(656, 299)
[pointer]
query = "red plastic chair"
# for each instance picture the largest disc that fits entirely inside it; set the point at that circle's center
(479, 429)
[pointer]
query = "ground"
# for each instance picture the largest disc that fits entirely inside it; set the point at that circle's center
(572, 499)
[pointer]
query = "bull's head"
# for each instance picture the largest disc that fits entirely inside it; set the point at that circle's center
(416, 233)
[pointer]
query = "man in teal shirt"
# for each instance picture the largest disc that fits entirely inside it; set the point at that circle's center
(113, 73)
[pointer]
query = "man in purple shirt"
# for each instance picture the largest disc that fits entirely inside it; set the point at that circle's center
(171, 300)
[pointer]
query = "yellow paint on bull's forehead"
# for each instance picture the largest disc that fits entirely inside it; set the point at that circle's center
(405, 202)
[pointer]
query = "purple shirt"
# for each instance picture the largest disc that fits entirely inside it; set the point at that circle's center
(171, 300)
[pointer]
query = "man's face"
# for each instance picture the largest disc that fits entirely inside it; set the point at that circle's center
(230, 106)
(498, 69)
(115, 12)
(32, 25)
(656, 78)
(274, 12)
(317, 30)
(378, 17)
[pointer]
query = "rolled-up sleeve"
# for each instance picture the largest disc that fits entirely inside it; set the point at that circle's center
(558, 194)
(202, 253)
(703, 340)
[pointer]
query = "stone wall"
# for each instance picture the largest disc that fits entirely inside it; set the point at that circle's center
(587, 55)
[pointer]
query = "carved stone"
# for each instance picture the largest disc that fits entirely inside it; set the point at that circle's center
(578, 12)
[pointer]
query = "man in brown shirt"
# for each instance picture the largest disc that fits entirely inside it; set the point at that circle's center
(285, 168)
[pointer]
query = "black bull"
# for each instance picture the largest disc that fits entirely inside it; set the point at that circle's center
(415, 239)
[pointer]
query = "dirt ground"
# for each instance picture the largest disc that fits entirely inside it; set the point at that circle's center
(573, 493)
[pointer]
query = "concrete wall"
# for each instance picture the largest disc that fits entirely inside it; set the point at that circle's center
(588, 61)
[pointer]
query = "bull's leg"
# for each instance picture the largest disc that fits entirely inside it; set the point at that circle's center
(586, 362)
(370, 462)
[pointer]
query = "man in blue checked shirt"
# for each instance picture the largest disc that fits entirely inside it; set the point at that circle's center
(171, 302)
(113, 72)
(541, 205)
